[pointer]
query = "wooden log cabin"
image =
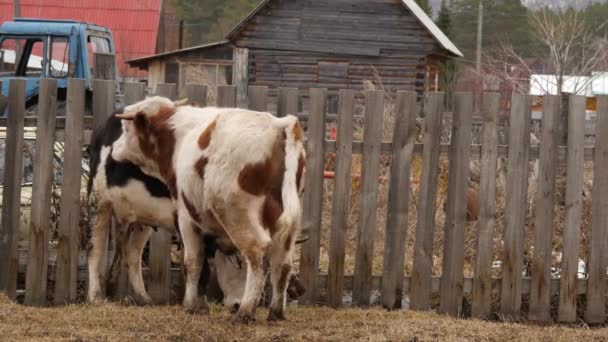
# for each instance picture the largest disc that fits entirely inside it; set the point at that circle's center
(338, 44)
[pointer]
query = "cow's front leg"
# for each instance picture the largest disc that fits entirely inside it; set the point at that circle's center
(193, 248)
(98, 252)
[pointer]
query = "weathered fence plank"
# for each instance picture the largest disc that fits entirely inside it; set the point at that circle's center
(313, 196)
(598, 241)
(287, 102)
(420, 295)
(258, 98)
(69, 220)
(134, 92)
(197, 94)
(37, 261)
(342, 184)
(104, 101)
(226, 96)
(372, 138)
(11, 194)
(168, 90)
(404, 136)
(240, 73)
(540, 296)
(482, 284)
(573, 208)
(456, 207)
(516, 205)
(160, 241)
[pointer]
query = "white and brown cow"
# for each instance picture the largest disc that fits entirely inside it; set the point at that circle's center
(235, 174)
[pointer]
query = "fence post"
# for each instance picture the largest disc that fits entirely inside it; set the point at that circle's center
(104, 101)
(287, 102)
(313, 196)
(11, 195)
(372, 139)
(226, 96)
(516, 205)
(482, 283)
(37, 261)
(573, 207)
(404, 137)
(134, 92)
(598, 242)
(197, 94)
(342, 183)
(421, 283)
(258, 98)
(452, 271)
(69, 220)
(160, 241)
(540, 287)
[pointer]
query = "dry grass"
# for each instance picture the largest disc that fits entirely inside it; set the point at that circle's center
(112, 322)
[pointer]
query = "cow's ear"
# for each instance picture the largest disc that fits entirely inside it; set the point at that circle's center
(141, 121)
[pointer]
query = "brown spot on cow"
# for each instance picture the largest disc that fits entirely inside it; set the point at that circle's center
(472, 205)
(298, 132)
(271, 211)
(301, 166)
(264, 176)
(157, 142)
(191, 209)
(200, 165)
(205, 138)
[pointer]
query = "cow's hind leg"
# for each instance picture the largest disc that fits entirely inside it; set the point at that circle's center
(193, 263)
(116, 269)
(137, 241)
(280, 272)
(98, 252)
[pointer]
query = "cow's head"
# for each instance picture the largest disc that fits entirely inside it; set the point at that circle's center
(147, 138)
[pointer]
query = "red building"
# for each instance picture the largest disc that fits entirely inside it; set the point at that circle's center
(134, 23)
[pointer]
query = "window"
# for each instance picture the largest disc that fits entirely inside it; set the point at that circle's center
(13, 51)
(60, 57)
(96, 45)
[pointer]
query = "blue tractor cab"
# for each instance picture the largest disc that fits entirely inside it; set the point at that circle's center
(59, 49)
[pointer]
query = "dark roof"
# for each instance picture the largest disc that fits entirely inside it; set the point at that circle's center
(146, 59)
(411, 5)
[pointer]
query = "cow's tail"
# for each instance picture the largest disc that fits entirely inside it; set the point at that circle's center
(293, 178)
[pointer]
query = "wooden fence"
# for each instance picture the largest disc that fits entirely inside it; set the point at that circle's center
(452, 286)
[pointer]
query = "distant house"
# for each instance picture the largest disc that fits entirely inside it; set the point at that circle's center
(209, 64)
(336, 45)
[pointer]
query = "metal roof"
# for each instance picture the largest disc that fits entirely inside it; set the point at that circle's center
(176, 52)
(134, 23)
(411, 5)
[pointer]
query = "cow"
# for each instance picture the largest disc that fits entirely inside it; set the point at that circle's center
(235, 174)
(136, 200)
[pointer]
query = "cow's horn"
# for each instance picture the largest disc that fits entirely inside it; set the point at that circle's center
(181, 102)
(125, 116)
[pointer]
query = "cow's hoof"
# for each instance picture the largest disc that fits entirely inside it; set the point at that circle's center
(275, 315)
(142, 300)
(95, 298)
(234, 308)
(242, 318)
(199, 307)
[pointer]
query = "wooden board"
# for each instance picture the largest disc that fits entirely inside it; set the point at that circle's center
(313, 196)
(168, 90)
(36, 276)
(69, 220)
(11, 192)
(226, 96)
(482, 284)
(372, 138)
(104, 66)
(420, 295)
(540, 296)
(516, 206)
(598, 241)
(341, 196)
(573, 208)
(104, 101)
(240, 74)
(404, 137)
(258, 98)
(197, 94)
(287, 103)
(134, 92)
(456, 207)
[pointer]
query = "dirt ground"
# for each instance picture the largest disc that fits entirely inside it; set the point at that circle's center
(116, 322)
